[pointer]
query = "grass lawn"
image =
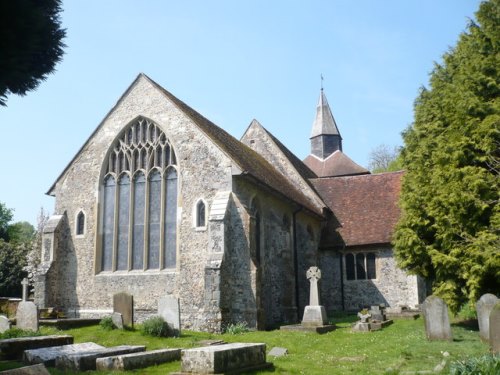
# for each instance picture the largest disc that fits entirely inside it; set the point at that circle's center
(399, 347)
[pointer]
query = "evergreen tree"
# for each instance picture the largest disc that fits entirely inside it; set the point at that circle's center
(449, 231)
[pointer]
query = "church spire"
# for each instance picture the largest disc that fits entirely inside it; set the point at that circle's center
(325, 136)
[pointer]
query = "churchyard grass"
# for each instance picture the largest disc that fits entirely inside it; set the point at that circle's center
(399, 347)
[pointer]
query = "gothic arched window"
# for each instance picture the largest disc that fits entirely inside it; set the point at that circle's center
(139, 195)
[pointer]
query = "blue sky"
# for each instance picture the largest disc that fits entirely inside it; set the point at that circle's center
(232, 61)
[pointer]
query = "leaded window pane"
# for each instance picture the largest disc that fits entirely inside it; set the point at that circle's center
(108, 223)
(138, 223)
(123, 222)
(360, 266)
(170, 243)
(349, 267)
(154, 220)
(370, 266)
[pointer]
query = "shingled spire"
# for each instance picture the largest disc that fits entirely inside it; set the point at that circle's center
(325, 136)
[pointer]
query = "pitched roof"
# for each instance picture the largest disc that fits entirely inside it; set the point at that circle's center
(324, 123)
(336, 164)
(365, 206)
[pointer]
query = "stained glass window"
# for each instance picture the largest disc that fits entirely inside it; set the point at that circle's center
(142, 160)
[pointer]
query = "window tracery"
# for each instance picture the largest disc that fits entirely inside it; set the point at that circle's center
(139, 194)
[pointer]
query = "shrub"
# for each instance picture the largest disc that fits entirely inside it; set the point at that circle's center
(486, 365)
(155, 326)
(107, 323)
(17, 332)
(467, 312)
(237, 328)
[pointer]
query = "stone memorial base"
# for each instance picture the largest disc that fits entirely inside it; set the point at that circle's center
(314, 320)
(375, 326)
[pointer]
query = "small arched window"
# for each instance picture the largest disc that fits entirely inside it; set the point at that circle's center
(80, 224)
(200, 214)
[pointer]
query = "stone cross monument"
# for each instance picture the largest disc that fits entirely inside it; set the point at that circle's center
(25, 284)
(27, 311)
(314, 314)
(313, 274)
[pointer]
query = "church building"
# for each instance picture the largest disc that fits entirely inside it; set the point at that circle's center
(160, 201)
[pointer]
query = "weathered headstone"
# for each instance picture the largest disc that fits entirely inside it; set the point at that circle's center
(495, 328)
(137, 360)
(117, 319)
(123, 303)
(4, 323)
(27, 316)
(169, 310)
(378, 313)
(314, 313)
(437, 321)
(483, 309)
(278, 352)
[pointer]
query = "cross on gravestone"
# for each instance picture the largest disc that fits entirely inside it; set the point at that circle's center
(25, 284)
(313, 274)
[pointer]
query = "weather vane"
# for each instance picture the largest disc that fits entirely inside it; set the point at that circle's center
(321, 75)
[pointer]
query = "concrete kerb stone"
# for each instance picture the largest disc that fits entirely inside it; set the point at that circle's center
(87, 361)
(137, 360)
(14, 348)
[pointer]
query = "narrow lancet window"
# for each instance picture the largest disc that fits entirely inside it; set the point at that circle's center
(170, 247)
(200, 214)
(80, 224)
(108, 232)
(360, 266)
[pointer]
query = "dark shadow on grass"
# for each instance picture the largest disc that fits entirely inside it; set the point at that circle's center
(470, 324)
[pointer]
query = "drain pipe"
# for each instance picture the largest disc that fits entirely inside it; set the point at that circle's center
(296, 259)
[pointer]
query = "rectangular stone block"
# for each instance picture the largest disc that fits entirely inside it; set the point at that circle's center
(48, 355)
(137, 360)
(87, 361)
(14, 348)
(218, 359)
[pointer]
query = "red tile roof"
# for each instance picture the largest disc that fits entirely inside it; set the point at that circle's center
(366, 206)
(337, 164)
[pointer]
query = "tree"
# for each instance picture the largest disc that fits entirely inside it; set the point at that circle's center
(6, 215)
(31, 44)
(12, 262)
(384, 159)
(22, 231)
(449, 231)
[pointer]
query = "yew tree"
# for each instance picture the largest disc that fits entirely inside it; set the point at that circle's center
(449, 231)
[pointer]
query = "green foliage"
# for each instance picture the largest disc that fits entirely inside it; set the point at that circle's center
(484, 365)
(155, 326)
(467, 312)
(31, 44)
(12, 262)
(107, 324)
(6, 215)
(17, 332)
(237, 328)
(22, 231)
(449, 231)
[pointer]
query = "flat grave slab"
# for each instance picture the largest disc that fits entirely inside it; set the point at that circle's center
(27, 370)
(87, 361)
(48, 355)
(137, 360)
(222, 359)
(304, 328)
(68, 323)
(14, 348)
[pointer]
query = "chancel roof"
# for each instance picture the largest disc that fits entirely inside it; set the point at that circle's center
(365, 206)
(336, 164)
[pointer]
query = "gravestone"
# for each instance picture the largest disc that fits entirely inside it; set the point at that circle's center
(377, 313)
(48, 355)
(314, 313)
(117, 319)
(137, 360)
(27, 370)
(363, 325)
(483, 309)
(27, 316)
(437, 322)
(123, 303)
(495, 329)
(4, 323)
(169, 310)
